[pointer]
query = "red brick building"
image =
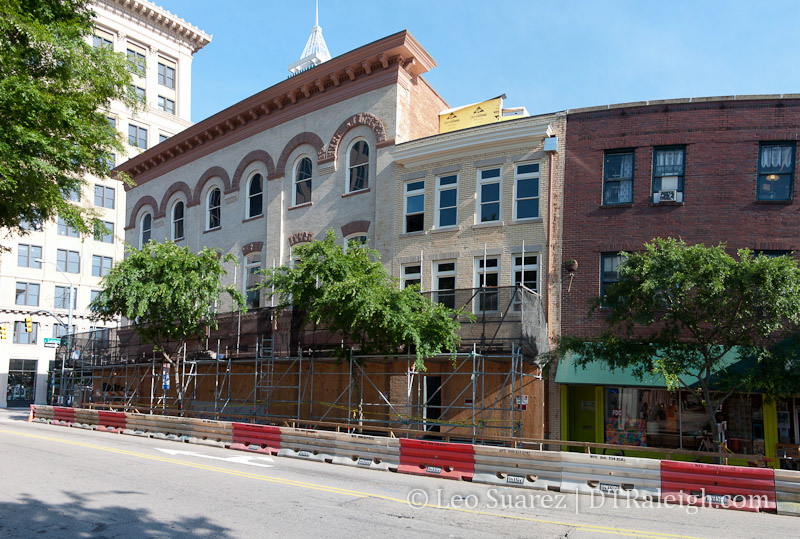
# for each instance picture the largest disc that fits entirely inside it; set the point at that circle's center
(706, 170)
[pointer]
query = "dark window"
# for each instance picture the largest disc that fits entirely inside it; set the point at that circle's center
(609, 270)
(526, 191)
(618, 178)
(668, 169)
(415, 206)
(447, 204)
(776, 171)
(162, 137)
(214, 201)
(526, 273)
(302, 181)
(358, 166)
(412, 276)
(147, 228)
(489, 195)
(487, 278)
(445, 284)
(177, 221)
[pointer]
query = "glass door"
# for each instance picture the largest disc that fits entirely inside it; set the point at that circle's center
(21, 386)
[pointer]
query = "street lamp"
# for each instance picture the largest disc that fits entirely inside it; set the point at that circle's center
(69, 323)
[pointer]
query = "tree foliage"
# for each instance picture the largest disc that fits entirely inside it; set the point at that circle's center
(681, 311)
(169, 293)
(352, 294)
(53, 87)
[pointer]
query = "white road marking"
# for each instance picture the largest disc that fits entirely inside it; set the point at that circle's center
(243, 459)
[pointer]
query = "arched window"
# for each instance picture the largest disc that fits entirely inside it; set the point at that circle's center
(251, 279)
(358, 166)
(356, 241)
(146, 228)
(214, 201)
(302, 181)
(177, 221)
(255, 196)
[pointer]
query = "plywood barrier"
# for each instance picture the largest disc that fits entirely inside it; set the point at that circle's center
(306, 444)
(626, 477)
(524, 468)
(441, 459)
(367, 451)
(714, 485)
(787, 492)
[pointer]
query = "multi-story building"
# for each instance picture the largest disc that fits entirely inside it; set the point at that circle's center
(711, 171)
(49, 268)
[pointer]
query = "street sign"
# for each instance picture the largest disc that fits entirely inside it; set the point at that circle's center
(50, 342)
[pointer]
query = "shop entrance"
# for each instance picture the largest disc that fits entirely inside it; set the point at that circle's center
(21, 386)
(582, 413)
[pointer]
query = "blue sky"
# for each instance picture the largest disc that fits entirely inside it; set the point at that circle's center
(546, 55)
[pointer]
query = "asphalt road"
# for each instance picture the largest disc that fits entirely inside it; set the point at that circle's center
(68, 482)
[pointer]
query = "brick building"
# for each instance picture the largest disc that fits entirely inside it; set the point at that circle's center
(711, 170)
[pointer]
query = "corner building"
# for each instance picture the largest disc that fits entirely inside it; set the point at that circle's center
(161, 46)
(709, 170)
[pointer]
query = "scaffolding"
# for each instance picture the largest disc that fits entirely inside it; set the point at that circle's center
(265, 365)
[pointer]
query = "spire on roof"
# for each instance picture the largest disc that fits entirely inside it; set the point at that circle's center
(316, 50)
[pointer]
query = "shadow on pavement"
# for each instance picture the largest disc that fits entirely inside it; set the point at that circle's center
(29, 517)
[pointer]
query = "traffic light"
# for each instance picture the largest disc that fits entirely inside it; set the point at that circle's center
(28, 324)
(3, 335)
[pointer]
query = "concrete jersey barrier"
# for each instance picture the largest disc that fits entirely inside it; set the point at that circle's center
(367, 451)
(787, 492)
(526, 468)
(607, 475)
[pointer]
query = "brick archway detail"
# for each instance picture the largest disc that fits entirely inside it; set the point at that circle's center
(364, 118)
(174, 188)
(213, 172)
(355, 227)
(142, 202)
(255, 155)
(301, 138)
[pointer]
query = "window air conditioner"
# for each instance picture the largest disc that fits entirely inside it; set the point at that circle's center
(668, 196)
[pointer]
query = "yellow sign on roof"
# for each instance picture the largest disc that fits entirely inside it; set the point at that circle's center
(483, 113)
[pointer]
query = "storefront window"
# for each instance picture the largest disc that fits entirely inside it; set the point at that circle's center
(678, 420)
(21, 382)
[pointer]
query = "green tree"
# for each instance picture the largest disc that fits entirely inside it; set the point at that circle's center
(683, 311)
(170, 294)
(53, 131)
(351, 293)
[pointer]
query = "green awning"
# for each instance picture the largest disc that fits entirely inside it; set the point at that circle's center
(598, 374)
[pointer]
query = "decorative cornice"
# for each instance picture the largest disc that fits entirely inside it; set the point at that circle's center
(292, 98)
(493, 137)
(159, 17)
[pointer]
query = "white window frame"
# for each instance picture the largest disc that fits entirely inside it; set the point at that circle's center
(173, 221)
(210, 208)
(439, 190)
(444, 273)
(523, 267)
(416, 192)
(407, 276)
(295, 181)
(527, 176)
(142, 229)
(349, 166)
(479, 194)
(490, 290)
(249, 208)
